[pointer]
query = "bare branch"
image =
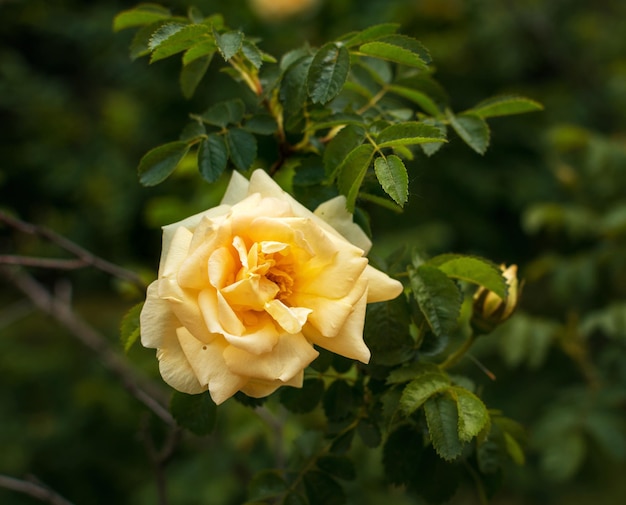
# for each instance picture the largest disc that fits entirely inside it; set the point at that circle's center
(61, 311)
(52, 263)
(83, 255)
(32, 488)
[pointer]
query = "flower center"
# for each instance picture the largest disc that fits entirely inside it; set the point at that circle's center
(282, 277)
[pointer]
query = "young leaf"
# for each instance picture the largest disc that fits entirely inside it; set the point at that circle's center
(505, 106)
(129, 327)
(179, 41)
(410, 44)
(370, 34)
(421, 389)
(197, 413)
(346, 140)
(352, 171)
(408, 133)
(224, 113)
(163, 33)
(328, 72)
(143, 14)
(472, 129)
(438, 297)
(212, 157)
(192, 74)
(442, 419)
(422, 99)
(266, 484)
(202, 48)
(140, 45)
(158, 163)
(472, 269)
(242, 147)
(473, 415)
(393, 177)
(393, 52)
(228, 43)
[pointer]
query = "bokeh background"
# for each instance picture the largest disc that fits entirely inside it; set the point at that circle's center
(76, 115)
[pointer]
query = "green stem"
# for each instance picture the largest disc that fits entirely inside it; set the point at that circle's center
(455, 357)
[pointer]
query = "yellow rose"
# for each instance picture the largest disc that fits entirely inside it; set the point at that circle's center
(278, 10)
(246, 288)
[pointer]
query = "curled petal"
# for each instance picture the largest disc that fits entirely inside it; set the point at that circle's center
(259, 389)
(335, 213)
(381, 286)
(175, 368)
(291, 319)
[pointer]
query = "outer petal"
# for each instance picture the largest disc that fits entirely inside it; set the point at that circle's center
(349, 340)
(237, 189)
(156, 319)
(292, 354)
(259, 389)
(208, 365)
(334, 213)
(381, 286)
(175, 368)
(176, 252)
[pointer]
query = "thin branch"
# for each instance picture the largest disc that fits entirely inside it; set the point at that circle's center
(52, 263)
(61, 311)
(33, 489)
(82, 254)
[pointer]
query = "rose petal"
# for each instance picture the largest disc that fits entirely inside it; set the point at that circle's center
(156, 319)
(292, 354)
(252, 292)
(178, 251)
(335, 213)
(221, 268)
(209, 367)
(349, 339)
(259, 389)
(381, 287)
(291, 319)
(227, 317)
(236, 190)
(175, 368)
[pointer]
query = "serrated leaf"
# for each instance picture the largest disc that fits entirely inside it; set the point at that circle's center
(212, 157)
(338, 466)
(393, 178)
(472, 269)
(197, 413)
(192, 74)
(328, 72)
(163, 33)
(252, 53)
(129, 327)
(412, 371)
(141, 40)
(401, 455)
(339, 401)
(203, 48)
(421, 389)
(352, 171)
(505, 105)
(179, 41)
(322, 488)
(228, 43)
(386, 332)
(158, 163)
(472, 129)
(143, 14)
(392, 52)
(242, 147)
(266, 484)
(224, 113)
(431, 148)
(371, 33)
(338, 148)
(192, 131)
(261, 124)
(305, 399)
(408, 133)
(442, 419)
(473, 415)
(410, 44)
(293, 88)
(422, 99)
(438, 297)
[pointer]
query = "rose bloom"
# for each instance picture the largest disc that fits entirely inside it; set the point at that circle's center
(279, 10)
(246, 288)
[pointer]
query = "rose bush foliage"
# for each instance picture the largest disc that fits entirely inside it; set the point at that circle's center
(246, 289)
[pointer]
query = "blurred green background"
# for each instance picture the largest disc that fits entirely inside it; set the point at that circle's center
(550, 195)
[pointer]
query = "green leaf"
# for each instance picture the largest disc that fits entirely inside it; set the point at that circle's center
(442, 419)
(393, 178)
(294, 498)
(212, 157)
(438, 297)
(563, 455)
(338, 466)
(408, 133)
(322, 488)
(392, 52)
(163, 33)
(192, 131)
(472, 129)
(305, 399)
(328, 72)
(472, 269)
(261, 124)
(352, 171)
(252, 53)
(228, 43)
(473, 415)
(372, 33)
(421, 389)
(129, 327)
(179, 41)
(386, 332)
(505, 105)
(293, 88)
(338, 148)
(339, 401)
(143, 14)
(242, 147)
(192, 74)
(402, 453)
(410, 44)
(409, 372)
(224, 113)
(140, 45)
(197, 413)
(158, 163)
(203, 48)
(417, 97)
(266, 484)
(369, 432)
